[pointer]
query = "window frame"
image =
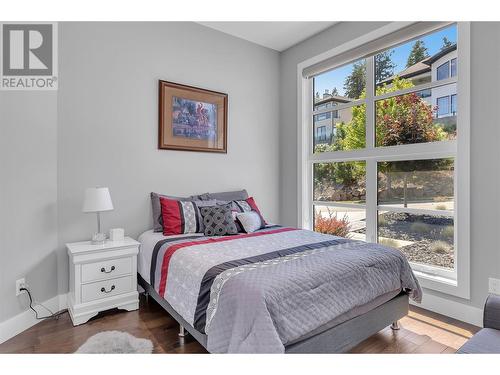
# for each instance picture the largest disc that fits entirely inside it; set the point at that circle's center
(453, 62)
(448, 100)
(448, 75)
(456, 282)
(453, 112)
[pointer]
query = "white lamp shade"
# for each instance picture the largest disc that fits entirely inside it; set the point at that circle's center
(97, 200)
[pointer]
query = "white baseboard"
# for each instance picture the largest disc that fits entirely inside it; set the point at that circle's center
(21, 322)
(455, 310)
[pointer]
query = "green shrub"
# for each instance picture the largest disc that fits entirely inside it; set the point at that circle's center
(388, 242)
(382, 221)
(440, 247)
(421, 228)
(440, 199)
(448, 231)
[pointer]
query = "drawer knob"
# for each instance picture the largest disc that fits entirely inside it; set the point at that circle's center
(110, 270)
(103, 289)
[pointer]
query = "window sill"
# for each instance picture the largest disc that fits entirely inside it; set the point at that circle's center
(442, 284)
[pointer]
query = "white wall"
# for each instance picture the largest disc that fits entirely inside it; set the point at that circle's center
(108, 121)
(485, 153)
(101, 128)
(28, 197)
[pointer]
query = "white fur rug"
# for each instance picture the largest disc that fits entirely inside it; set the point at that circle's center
(115, 342)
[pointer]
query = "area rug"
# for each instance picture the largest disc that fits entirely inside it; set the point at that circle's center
(115, 342)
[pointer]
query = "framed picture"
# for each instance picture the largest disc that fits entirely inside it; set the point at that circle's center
(191, 119)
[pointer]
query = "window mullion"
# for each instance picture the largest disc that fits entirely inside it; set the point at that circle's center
(371, 165)
(370, 104)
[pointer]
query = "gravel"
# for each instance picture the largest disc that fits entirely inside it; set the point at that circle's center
(430, 245)
(423, 252)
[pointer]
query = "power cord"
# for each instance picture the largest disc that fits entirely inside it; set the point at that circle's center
(52, 314)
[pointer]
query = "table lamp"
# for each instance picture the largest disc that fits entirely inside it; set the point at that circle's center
(97, 200)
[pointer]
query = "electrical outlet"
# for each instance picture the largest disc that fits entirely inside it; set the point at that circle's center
(21, 283)
(494, 286)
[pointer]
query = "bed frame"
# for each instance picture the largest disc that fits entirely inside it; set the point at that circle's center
(338, 339)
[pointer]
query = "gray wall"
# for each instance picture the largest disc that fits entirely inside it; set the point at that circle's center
(485, 153)
(101, 128)
(108, 122)
(28, 196)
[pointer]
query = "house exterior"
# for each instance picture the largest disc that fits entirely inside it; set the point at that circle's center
(324, 124)
(443, 99)
(441, 65)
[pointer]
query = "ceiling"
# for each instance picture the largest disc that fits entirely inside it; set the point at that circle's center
(275, 35)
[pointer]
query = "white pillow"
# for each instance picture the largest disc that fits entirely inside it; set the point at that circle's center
(250, 221)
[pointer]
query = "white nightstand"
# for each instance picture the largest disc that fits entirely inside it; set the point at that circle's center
(102, 277)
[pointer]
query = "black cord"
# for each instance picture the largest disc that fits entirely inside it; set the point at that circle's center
(52, 314)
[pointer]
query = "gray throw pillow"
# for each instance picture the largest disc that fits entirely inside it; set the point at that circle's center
(238, 195)
(250, 221)
(218, 220)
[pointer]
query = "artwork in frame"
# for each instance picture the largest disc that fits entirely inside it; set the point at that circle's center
(191, 118)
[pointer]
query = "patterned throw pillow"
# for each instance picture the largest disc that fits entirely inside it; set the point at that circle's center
(246, 206)
(218, 220)
(250, 221)
(180, 217)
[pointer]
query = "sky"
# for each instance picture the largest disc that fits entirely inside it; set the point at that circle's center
(433, 42)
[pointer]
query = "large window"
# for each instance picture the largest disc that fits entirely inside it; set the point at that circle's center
(388, 172)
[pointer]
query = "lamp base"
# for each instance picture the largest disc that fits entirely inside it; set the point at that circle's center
(98, 238)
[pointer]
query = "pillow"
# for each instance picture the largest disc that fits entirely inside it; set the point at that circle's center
(218, 220)
(155, 204)
(248, 205)
(180, 217)
(238, 195)
(250, 221)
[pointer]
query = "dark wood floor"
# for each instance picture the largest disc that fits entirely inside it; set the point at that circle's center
(421, 332)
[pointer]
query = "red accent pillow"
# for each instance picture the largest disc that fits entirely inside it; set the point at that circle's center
(180, 217)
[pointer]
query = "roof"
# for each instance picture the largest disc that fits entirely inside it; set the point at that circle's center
(442, 53)
(421, 67)
(334, 98)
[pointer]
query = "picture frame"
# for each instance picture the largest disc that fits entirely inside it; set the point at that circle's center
(191, 118)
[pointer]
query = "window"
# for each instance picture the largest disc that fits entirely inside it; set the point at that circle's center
(453, 67)
(323, 116)
(454, 104)
(443, 71)
(389, 173)
(321, 133)
(443, 106)
(424, 93)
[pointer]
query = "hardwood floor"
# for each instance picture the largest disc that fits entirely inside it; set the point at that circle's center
(421, 332)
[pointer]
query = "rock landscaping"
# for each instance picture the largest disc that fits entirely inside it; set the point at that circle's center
(431, 237)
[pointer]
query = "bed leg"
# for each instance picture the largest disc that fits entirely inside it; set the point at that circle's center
(146, 295)
(395, 325)
(182, 331)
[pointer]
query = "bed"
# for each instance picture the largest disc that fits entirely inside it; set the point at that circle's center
(277, 290)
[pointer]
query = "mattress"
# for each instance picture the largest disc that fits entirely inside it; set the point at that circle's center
(263, 291)
(148, 241)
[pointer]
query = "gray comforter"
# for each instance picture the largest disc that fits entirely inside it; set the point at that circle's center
(259, 293)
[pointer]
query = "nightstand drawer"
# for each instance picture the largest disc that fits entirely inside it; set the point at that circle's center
(106, 269)
(106, 288)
